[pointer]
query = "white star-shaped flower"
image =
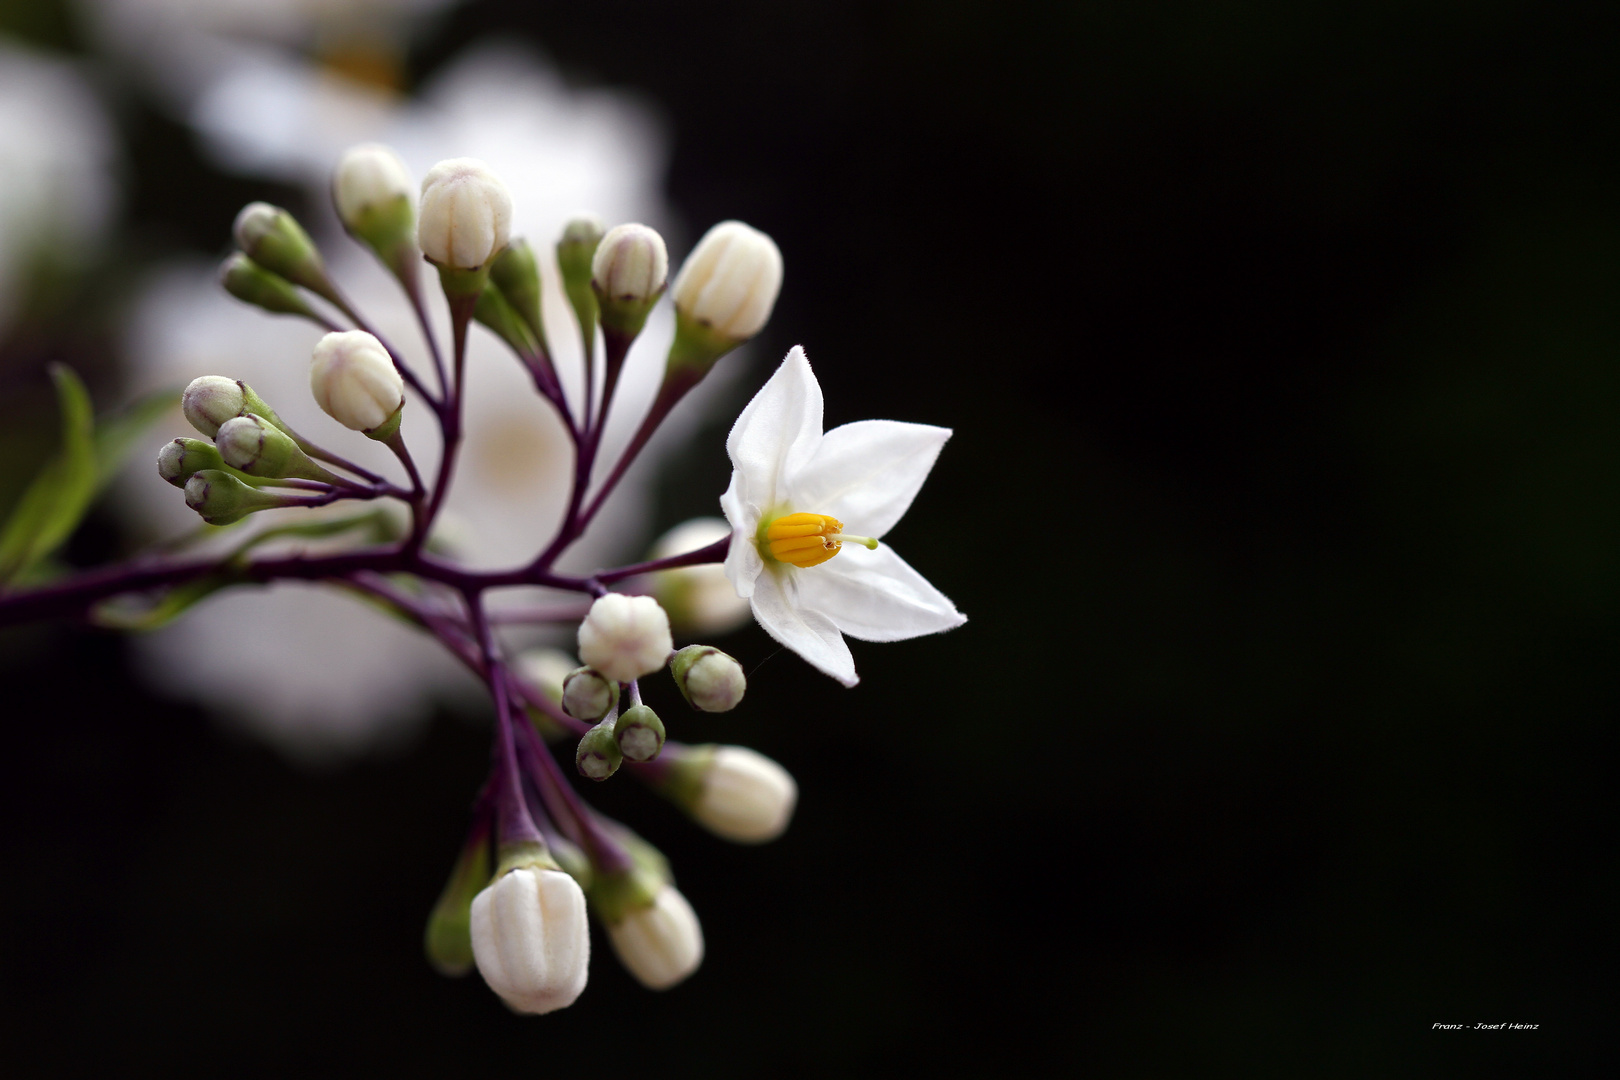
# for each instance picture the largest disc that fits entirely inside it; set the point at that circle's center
(799, 498)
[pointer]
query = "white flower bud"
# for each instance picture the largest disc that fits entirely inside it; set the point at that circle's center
(530, 939)
(369, 177)
(700, 600)
(745, 796)
(210, 401)
(543, 670)
(354, 380)
(730, 281)
(660, 944)
(630, 264)
(466, 214)
(625, 637)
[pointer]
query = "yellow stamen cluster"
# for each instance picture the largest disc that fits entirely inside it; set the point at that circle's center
(805, 540)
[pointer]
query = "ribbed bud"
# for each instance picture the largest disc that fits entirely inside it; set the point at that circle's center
(181, 458)
(740, 794)
(628, 274)
(710, 680)
(598, 756)
(625, 637)
(586, 695)
(355, 382)
(222, 499)
(466, 214)
(660, 943)
(259, 448)
(729, 283)
(253, 284)
(640, 733)
(700, 600)
(273, 238)
(530, 939)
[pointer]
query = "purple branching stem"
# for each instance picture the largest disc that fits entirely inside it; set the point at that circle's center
(605, 852)
(515, 822)
(413, 291)
(715, 552)
(461, 311)
(635, 692)
(530, 616)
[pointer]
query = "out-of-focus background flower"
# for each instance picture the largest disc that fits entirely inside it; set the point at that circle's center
(1281, 346)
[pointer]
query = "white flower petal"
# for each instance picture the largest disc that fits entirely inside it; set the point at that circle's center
(743, 563)
(807, 632)
(876, 596)
(777, 431)
(865, 474)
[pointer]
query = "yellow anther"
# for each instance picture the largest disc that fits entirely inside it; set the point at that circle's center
(805, 540)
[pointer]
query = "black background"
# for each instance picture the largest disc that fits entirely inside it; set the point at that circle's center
(1280, 342)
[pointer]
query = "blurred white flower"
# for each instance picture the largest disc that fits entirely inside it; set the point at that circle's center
(557, 150)
(57, 167)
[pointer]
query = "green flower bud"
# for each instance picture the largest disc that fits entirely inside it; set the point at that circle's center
(628, 274)
(253, 284)
(640, 733)
(599, 756)
(516, 273)
(259, 448)
(588, 695)
(494, 312)
(179, 459)
(372, 189)
(213, 399)
(273, 238)
(448, 940)
(709, 680)
(222, 499)
(575, 251)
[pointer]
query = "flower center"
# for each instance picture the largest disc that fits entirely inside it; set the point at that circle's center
(805, 540)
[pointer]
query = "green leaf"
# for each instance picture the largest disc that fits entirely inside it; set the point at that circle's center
(141, 612)
(120, 433)
(57, 499)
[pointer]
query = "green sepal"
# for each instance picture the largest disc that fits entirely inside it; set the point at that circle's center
(598, 751)
(56, 501)
(575, 251)
(448, 939)
(615, 895)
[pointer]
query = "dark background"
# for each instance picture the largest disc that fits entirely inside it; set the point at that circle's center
(1282, 349)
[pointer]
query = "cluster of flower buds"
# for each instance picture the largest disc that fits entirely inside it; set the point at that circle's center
(537, 858)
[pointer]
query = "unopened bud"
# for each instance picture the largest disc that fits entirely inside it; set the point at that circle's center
(543, 671)
(734, 792)
(628, 274)
(448, 939)
(598, 756)
(625, 637)
(516, 273)
(259, 448)
(372, 189)
(213, 399)
(575, 252)
(726, 288)
(710, 680)
(494, 312)
(273, 238)
(355, 383)
(253, 284)
(661, 942)
(222, 499)
(180, 458)
(700, 600)
(466, 214)
(640, 733)
(587, 695)
(530, 938)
